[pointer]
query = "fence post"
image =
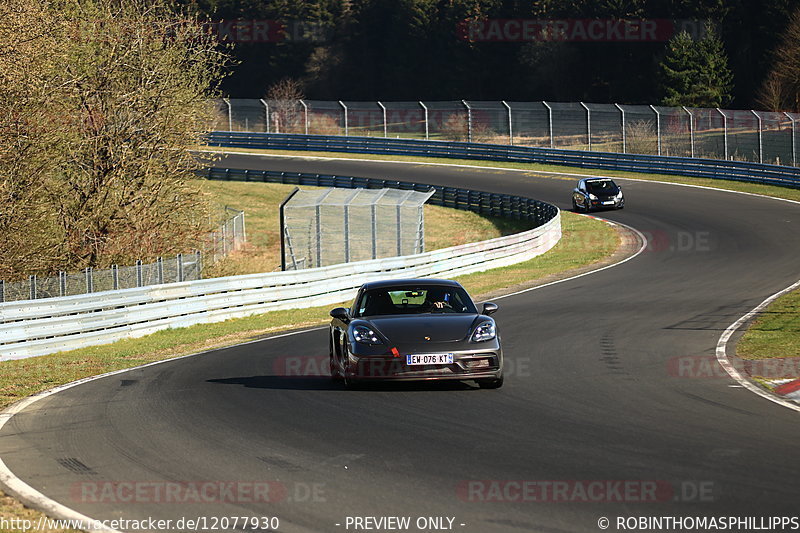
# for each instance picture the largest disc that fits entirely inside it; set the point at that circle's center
(724, 132)
(305, 115)
(588, 125)
(550, 122)
(139, 276)
(230, 113)
(760, 141)
(266, 114)
(344, 107)
(691, 129)
(2, 291)
(658, 127)
(318, 230)
(115, 277)
(160, 270)
(794, 141)
(32, 283)
(62, 283)
(425, 115)
(374, 217)
(469, 120)
(510, 130)
(385, 127)
(179, 258)
(398, 233)
(89, 280)
(198, 261)
(624, 133)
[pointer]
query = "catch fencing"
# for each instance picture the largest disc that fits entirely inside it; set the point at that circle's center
(182, 267)
(711, 133)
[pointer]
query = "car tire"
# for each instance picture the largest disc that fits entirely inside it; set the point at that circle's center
(491, 383)
(335, 375)
(574, 205)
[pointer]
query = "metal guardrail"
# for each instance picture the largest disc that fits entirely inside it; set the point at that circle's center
(39, 327)
(693, 167)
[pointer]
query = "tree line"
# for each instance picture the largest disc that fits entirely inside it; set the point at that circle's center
(410, 50)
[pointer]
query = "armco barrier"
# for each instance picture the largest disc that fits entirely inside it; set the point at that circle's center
(38, 327)
(695, 167)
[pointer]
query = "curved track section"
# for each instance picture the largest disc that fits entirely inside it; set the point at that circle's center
(612, 378)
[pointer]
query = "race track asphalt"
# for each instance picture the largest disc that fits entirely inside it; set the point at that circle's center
(602, 386)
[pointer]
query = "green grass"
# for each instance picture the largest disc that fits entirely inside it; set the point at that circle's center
(262, 253)
(776, 331)
(754, 188)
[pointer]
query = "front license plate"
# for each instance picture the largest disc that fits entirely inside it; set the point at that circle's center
(429, 359)
(611, 202)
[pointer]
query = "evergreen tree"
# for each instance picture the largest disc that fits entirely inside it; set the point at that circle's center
(696, 73)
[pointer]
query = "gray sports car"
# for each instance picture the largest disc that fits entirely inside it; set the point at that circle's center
(416, 329)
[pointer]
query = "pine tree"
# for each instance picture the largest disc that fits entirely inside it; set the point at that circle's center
(696, 73)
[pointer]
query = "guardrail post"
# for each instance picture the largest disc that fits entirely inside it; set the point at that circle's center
(794, 140)
(691, 129)
(760, 142)
(62, 283)
(385, 126)
(469, 120)
(32, 284)
(724, 132)
(160, 270)
(115, 277)
(658, 127)
(550, 122)
(89, 280)
(230, 113)
(624, 134)
(510, 130)
(179, 259)
(139, 276)
(425, 115)
(266, 114)
(305, 115)
(588, 125)
(344, 107)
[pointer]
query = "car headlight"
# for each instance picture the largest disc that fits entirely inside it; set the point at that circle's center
(592, 196)
(486, 331)
(619, 195)
(365, 335)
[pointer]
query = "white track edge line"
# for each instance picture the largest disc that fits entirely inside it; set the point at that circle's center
(725, 362)
(14, 486)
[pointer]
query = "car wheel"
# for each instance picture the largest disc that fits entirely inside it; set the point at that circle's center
(335, 375)
(586, 206)
(574, 205)
(491, 383)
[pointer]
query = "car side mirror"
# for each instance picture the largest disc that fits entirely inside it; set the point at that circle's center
(341, 313)
(489, 308)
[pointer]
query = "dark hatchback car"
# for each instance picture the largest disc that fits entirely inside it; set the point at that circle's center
(597, 193)
(417, 329)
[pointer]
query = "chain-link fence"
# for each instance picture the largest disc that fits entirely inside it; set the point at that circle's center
(182, 267)
(332, 226)
(743, 135)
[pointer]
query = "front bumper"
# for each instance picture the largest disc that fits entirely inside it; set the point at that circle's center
(609, 203)
(468, 364)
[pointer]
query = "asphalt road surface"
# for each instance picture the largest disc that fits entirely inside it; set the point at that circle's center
(613, 405)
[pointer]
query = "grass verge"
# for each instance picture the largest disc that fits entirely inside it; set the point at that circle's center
(754, 188)
(262, 252)
(775, 332)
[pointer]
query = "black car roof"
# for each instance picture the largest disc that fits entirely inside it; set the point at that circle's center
(418, 281)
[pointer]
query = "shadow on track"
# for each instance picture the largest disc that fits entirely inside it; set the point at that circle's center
(324, 383)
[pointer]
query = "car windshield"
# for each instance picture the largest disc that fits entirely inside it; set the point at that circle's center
(602, 187)
(415, 299)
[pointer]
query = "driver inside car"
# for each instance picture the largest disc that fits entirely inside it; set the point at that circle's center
(437, 299)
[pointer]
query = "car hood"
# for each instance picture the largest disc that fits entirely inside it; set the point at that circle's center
(415, 328)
